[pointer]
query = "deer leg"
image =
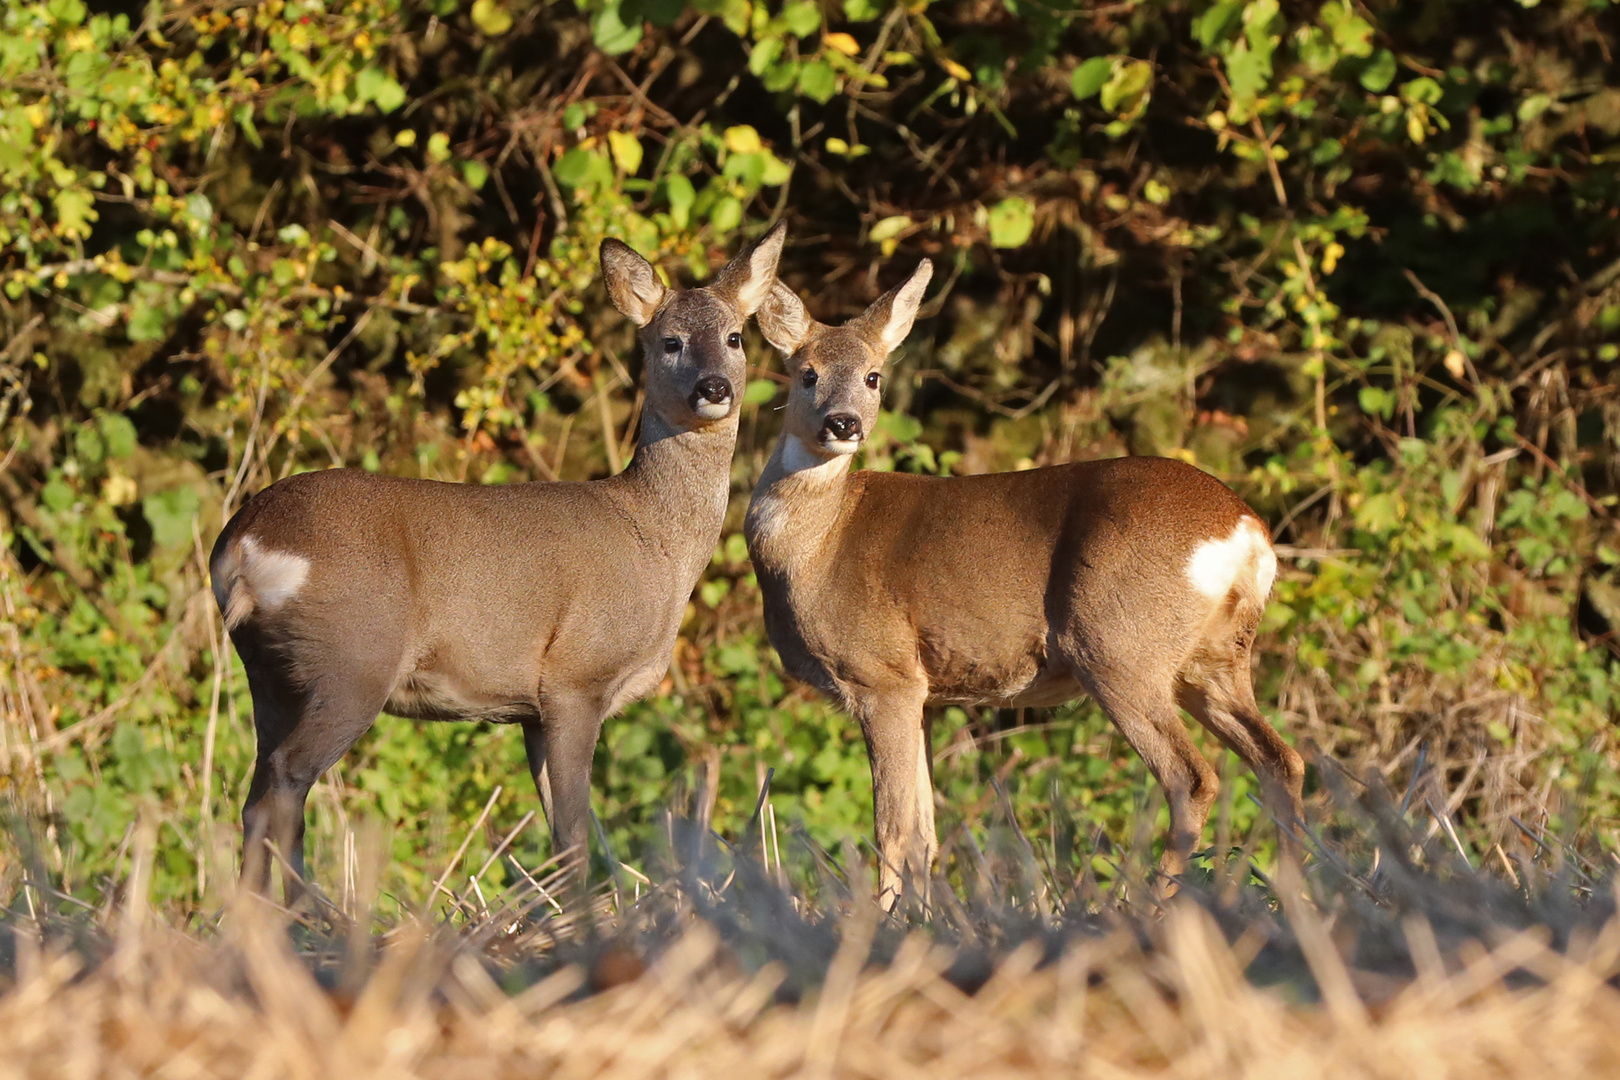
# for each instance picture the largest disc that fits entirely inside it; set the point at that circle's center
(895, 744)
(1145, 713)
(296, 745)
(1223, 702)
(569, 734)
(926, 833)
(534, 745)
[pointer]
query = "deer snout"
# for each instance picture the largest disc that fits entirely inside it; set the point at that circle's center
(711, 398)
(841, 432)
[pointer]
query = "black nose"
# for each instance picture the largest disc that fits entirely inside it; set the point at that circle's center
(843, 426)
(713, 389)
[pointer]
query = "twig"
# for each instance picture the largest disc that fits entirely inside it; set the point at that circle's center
(438, 886)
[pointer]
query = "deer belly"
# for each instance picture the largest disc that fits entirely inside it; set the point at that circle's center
(978, 673)
(425, 694)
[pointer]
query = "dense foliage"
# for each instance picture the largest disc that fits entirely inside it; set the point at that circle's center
(1361, 260)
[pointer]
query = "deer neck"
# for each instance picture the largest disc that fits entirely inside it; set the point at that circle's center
(676, 488)
(796, 512)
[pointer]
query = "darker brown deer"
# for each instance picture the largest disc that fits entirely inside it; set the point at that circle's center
(1139, 581)
(548, 605)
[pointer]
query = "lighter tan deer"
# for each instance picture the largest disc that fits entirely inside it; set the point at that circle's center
(549, 605)
(1139, 581)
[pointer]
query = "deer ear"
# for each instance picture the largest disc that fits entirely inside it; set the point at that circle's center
(746, 280)
(632, 284)
(783, 319)
(887, 322)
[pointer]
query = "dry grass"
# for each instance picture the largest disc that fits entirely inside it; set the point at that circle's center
(1382, 959)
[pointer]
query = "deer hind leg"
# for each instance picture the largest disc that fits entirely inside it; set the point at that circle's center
(1143, 708)
(534, 745)
(300, 736)
(1218, 690)
(897, 745)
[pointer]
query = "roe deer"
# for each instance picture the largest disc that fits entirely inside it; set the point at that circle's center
(1139, 581)
(549, 605)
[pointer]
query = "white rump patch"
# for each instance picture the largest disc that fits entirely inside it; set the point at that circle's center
(273, 577)
(1215, 565)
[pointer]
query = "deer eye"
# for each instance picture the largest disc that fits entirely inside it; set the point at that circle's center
(735, 341)
(809, 377)
(672, 344)
(872, 381)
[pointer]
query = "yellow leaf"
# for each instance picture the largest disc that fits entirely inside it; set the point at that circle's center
(890, 227)
(1331, 256)
(626, 150)
(742, 139)
(1456, 363)
(955, 70)
(844, 43)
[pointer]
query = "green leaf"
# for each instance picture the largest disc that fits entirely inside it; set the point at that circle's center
(760, 392)
(1128, 86)
(75, 211)
(776, 171)
(1257, 19)
(151, 309)
(491, 18)
(611, 34)
(375, 84)
(1379, 513)
(1422, 90)
(67, 12)
(57, 495)
(781, 76)
(657, 12)
(119, 434)
(87, 445)
(764, 54)
(1213, 25)
(1532, 107)
(1091, 76)
(170, 514)
(582, 168)
(818, 81)
(861, 10)
(1377, 75)
(1351, 33)
(1247, 71)
(1376, 401)
(746, 169)
(801, 17)
(476, 173)
(678, 190)
(1011, 222)
(727, 214)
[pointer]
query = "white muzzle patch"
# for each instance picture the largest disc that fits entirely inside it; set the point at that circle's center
(799, 458)
(713, 410)
(841, 447)
(1216, 566)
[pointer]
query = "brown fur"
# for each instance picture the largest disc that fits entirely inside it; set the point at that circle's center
(892, 592)
(550, 605)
